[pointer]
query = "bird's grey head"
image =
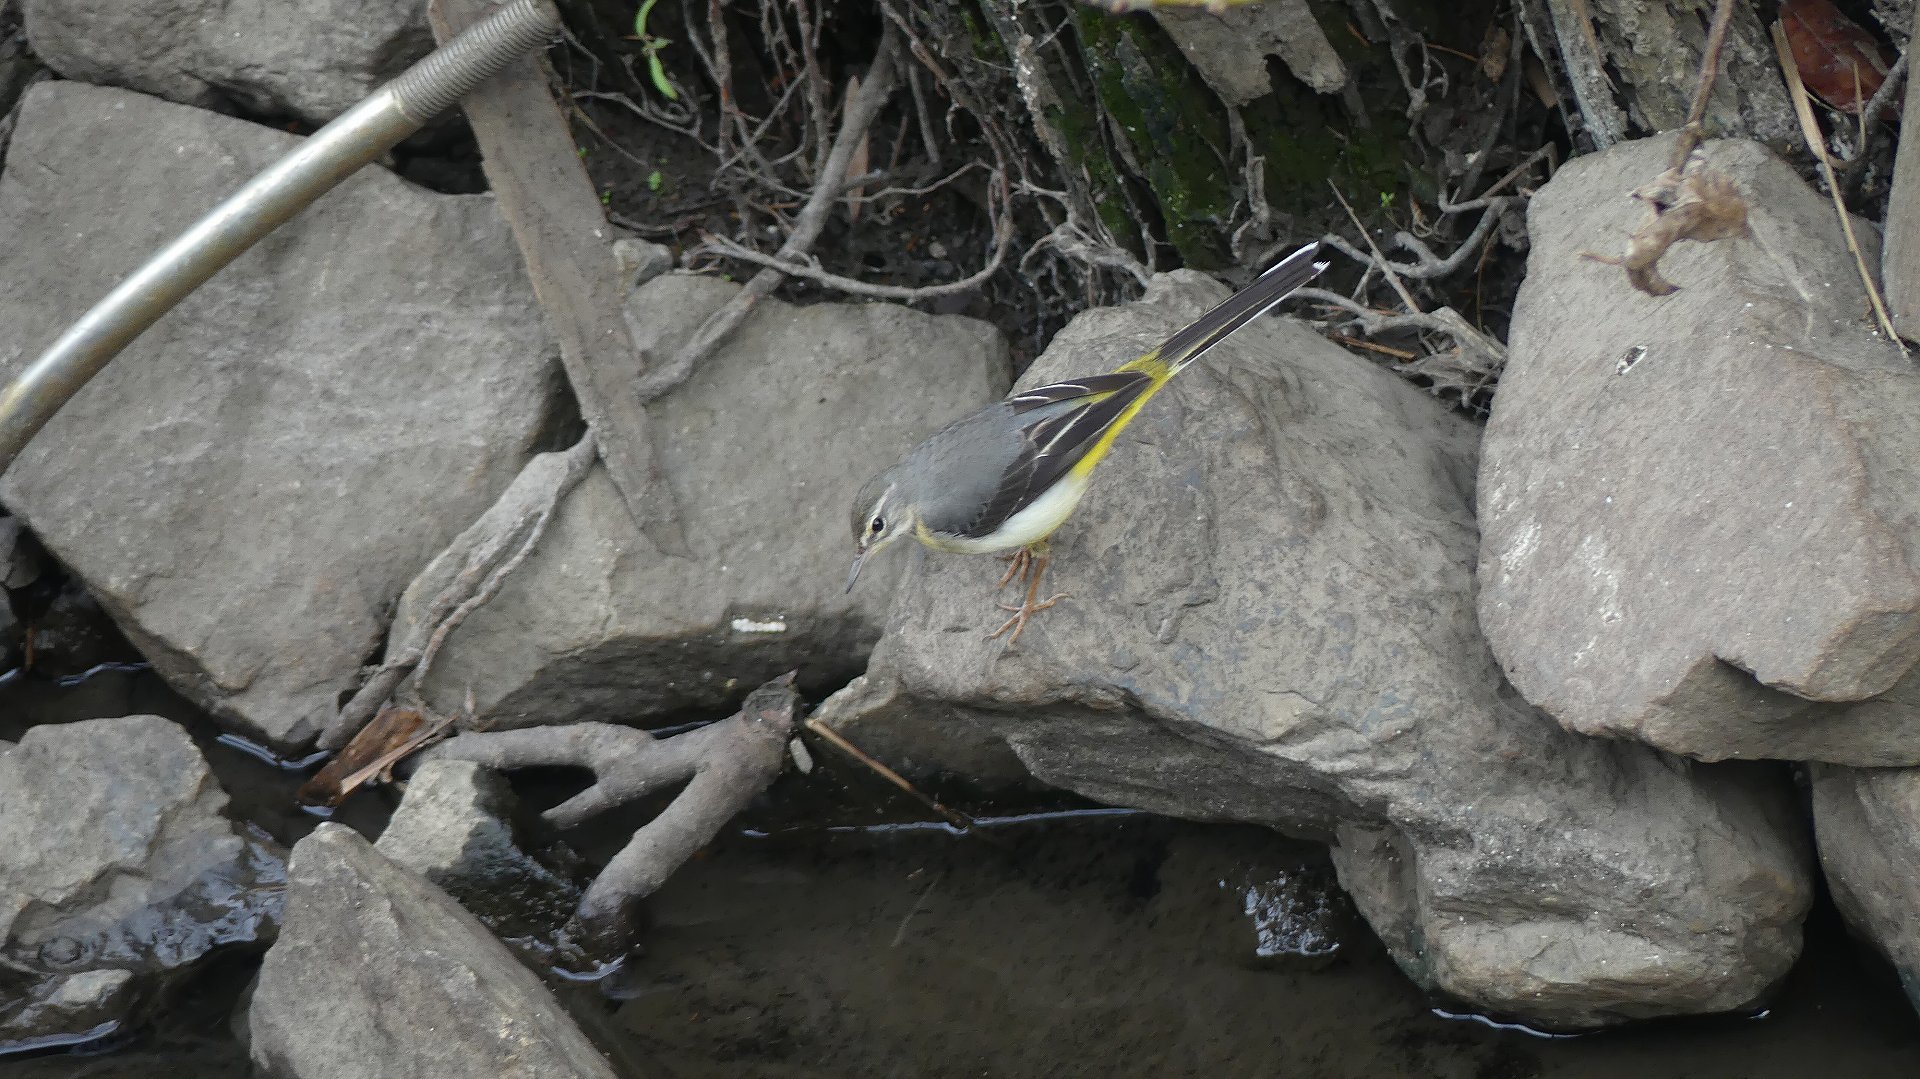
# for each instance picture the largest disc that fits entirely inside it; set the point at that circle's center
(879, 517)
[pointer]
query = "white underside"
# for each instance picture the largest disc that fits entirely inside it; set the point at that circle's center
(1036, 522)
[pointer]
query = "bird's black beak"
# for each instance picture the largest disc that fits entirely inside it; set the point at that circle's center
(854, 573)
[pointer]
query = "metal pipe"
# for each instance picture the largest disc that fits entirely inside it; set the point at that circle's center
(325, 158)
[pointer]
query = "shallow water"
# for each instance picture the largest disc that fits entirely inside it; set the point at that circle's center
(1098, 944)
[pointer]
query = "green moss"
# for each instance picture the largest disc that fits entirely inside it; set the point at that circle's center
(1174, 126)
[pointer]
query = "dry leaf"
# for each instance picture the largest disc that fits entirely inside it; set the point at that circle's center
(1700, 205)
(1839, 61)
(391, 729)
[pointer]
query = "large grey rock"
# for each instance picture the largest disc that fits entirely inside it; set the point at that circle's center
(1272, 621)
(117, 869)
(251, 485)
(761, 451)
(1701, 523)
(311, 60)
(378, 972)
(1867, 824)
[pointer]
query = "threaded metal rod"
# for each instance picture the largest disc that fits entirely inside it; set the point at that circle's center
(268, 201)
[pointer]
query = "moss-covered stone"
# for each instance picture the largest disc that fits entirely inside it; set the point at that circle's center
(1174, 126)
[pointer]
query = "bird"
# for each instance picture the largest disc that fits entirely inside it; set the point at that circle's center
(1005, 477)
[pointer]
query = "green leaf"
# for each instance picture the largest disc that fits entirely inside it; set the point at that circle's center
(659, 72)
(654, 180)
(640, 18)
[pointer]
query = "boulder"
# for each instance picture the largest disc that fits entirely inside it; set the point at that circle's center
(1867, 824)
(761, 451)
(311, 61)
(1271, 620)
(1700, 521)
(378, 972)
(118, 870)
(251, 485)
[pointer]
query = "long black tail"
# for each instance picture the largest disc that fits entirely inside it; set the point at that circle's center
(1242, 307)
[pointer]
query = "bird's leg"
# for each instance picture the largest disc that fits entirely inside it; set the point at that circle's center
(1034, 564)
(1016, 564)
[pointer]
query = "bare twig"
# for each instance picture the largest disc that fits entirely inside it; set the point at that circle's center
(1472, 365)
(861, 109)
(811, 271)
(1429, 266)
(1703, 88)
(1880, 105)
(1513, 174)
(1379, 257)
(953, 816)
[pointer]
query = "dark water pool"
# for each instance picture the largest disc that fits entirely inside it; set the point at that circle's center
(824, 937)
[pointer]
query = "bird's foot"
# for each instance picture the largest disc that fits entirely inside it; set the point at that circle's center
(1021, 613)
(1017, 564)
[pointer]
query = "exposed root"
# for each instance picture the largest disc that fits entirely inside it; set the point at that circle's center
(470, 572)
(724, 765)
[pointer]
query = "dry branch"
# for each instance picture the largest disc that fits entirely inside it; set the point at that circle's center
(725, 766)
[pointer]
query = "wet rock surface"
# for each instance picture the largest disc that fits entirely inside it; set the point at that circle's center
(1272, 621)
(118, 869)
(761, 450)
(1699, 511)
(1868, 825)
(311, 61)
(455, 828)
(378, 972)
(252, 484)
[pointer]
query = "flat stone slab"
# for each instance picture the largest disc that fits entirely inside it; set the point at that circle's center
(761, 451)
(249, 487)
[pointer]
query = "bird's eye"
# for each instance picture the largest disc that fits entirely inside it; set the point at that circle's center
(878, 526)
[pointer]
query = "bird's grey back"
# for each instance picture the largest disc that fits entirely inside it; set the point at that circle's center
(961, 469)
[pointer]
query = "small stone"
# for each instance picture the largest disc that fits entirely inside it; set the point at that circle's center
(378, 972)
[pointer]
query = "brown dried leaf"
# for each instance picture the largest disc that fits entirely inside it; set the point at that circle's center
(391, 729)
(1700, 205)
(1838, 60)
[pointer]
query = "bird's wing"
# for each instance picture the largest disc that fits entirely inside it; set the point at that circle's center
(1060, 424)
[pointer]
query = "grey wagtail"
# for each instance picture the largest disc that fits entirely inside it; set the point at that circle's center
(1005, 477)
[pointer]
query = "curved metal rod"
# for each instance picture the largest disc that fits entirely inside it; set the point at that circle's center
(327, 157)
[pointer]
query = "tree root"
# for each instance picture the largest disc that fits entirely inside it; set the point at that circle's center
(468, 573)
(725, 765)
